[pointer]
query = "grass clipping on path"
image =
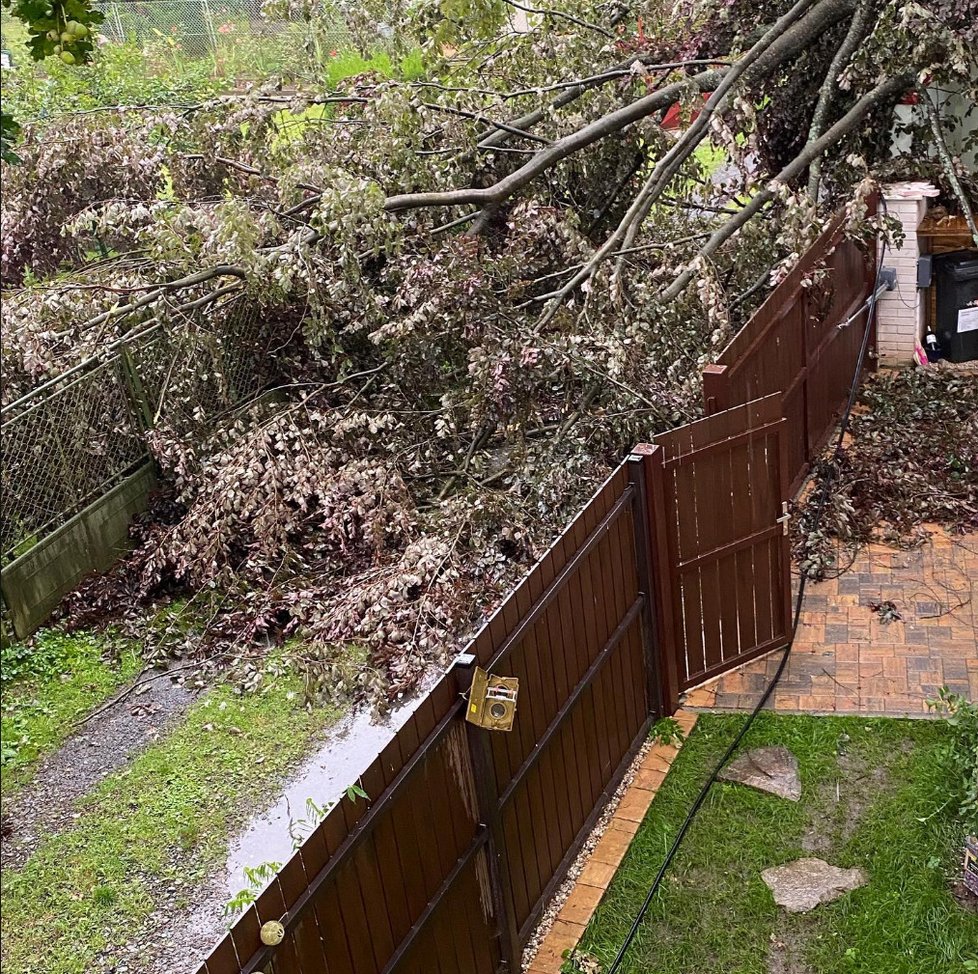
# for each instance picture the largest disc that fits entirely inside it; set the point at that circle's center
(162, 823)
(48, 684)
(874, 796)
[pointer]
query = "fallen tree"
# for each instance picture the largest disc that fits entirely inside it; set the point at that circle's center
(479, 287)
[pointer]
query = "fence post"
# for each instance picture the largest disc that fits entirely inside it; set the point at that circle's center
(661, 581)
(487, 798)
(135, 390)
(655, 703)
(804, 311)
(209, 24)
(118, 24)
(716, 389)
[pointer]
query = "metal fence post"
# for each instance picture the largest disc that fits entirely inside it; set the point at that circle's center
(487, 797)
(209, 24)
(135, 391)
(118, 24)
(655, 703)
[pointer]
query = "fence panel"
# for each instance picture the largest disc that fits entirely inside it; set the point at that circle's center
(576, 633)
(62, 450)
(794, 345)
(68, 445)
(468, 832)
(398, 884)
(719, 497)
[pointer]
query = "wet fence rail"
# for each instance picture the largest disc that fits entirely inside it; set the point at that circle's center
(677, 570)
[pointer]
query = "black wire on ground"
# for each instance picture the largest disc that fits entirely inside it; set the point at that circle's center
(796, 615)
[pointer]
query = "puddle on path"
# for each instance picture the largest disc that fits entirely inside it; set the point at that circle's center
(323, 776)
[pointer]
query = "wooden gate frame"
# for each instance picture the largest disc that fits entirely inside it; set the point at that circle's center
(730, 428)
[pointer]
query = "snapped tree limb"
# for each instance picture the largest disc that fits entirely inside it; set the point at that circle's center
(857, 31)
(791, 43)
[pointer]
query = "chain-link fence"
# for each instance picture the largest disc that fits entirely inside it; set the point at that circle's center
(71, 440)
(229, 30)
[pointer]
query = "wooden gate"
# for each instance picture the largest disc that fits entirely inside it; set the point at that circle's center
(798, 344)
(718, 499)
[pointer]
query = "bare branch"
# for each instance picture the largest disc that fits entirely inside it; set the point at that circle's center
(857, 29)
(886, 89)
(221, 270)
(503, 126)
(560, 15)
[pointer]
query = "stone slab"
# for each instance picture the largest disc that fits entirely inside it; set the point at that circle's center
(770, 769)
(802, 885)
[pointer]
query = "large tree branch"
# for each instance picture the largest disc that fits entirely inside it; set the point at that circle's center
(856, 32)
(570, 94)
(669, 165)
(549, 157)
(788, 45)
(883, 91)
(575, 89)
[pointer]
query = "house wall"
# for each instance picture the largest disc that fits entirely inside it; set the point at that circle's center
(901, 312)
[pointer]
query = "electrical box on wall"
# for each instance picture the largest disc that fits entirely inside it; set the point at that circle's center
(492, 700)
(925, 270)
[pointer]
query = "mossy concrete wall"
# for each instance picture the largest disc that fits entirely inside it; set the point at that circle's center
(91, 541)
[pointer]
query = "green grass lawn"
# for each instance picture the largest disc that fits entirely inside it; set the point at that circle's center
(164, 819)
(48, 684)
(873, 796)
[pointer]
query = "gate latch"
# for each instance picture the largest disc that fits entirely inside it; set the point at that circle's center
(785, 517)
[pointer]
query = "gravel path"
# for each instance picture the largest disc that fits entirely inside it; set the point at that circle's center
(175, 940)
(47, 804)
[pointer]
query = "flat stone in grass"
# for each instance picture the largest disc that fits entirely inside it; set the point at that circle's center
(770, 769)
(801, 885)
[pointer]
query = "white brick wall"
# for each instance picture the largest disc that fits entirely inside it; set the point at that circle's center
(901, 312)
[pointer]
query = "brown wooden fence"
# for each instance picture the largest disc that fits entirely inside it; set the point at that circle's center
(793, 345)
(467, 833)
(718, 496)
(676, 570)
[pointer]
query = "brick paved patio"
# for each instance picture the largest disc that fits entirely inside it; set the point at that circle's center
(846, 660)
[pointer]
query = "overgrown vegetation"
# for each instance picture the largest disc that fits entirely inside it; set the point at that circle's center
(960, 756)
(148, 835)
(48, 684)
(162, 73)
(911, 459)
(477, 287)
(875, 795)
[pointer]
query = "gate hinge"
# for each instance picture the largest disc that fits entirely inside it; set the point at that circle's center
(785, 517)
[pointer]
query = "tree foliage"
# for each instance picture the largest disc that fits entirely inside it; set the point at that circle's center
(480, 286)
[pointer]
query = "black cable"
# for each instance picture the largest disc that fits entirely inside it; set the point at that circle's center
(765, 696)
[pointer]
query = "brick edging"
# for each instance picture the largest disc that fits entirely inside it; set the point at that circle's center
(594, 879)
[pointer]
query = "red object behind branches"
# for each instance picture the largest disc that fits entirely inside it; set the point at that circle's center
(673, 120)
